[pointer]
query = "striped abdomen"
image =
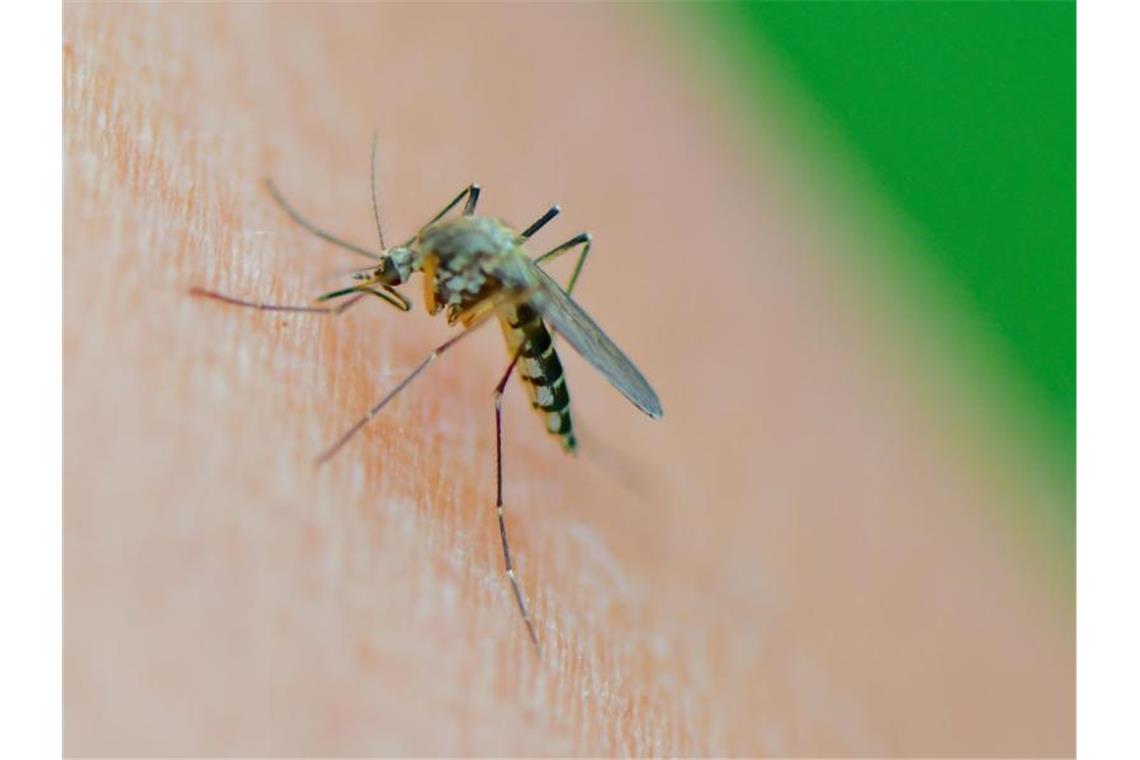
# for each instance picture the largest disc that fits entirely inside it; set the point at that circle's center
(540, 370)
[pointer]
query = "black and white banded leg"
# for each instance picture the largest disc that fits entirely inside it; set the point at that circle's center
(499, 503)
(582, 240)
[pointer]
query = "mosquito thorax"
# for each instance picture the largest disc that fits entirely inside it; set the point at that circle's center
(458, 242)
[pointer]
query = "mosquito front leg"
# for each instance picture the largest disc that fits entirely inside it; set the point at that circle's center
(260, 306)
(499, 501)
(389, 296)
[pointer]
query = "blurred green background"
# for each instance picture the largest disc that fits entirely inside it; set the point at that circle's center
(964, 117)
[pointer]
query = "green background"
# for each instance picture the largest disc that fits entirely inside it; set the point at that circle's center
(965, 114)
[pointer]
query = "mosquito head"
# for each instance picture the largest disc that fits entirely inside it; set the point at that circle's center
(397, 266)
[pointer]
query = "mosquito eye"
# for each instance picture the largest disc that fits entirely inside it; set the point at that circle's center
(395, 268)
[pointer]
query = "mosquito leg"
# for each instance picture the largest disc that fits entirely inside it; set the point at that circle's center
(296, 217)
(472, 199)
(552, 212)
(471, 193)
(390, 295)
(499, 502)
(339, 309)
(435, 354)
(578, 240)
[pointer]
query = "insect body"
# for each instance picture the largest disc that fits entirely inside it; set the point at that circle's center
(476, 267)
(467, 263)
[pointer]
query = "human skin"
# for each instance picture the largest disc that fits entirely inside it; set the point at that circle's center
(794, 560)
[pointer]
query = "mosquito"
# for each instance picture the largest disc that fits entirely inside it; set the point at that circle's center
(477, 267)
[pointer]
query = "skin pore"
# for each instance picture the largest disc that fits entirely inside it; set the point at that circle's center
(795, 560)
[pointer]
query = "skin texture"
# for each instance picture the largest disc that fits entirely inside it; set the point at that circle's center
(802, 557)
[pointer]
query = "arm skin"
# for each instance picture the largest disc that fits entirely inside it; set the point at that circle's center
(792, 561)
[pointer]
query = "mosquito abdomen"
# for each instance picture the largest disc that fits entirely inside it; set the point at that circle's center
(541, 371)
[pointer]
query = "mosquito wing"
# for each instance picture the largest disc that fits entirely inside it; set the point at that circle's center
(572, 323)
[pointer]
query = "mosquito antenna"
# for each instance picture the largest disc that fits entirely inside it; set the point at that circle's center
(375, 207)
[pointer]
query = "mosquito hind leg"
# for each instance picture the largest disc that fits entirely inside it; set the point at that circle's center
(578, 240)
(519, 598)
(584, 240)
